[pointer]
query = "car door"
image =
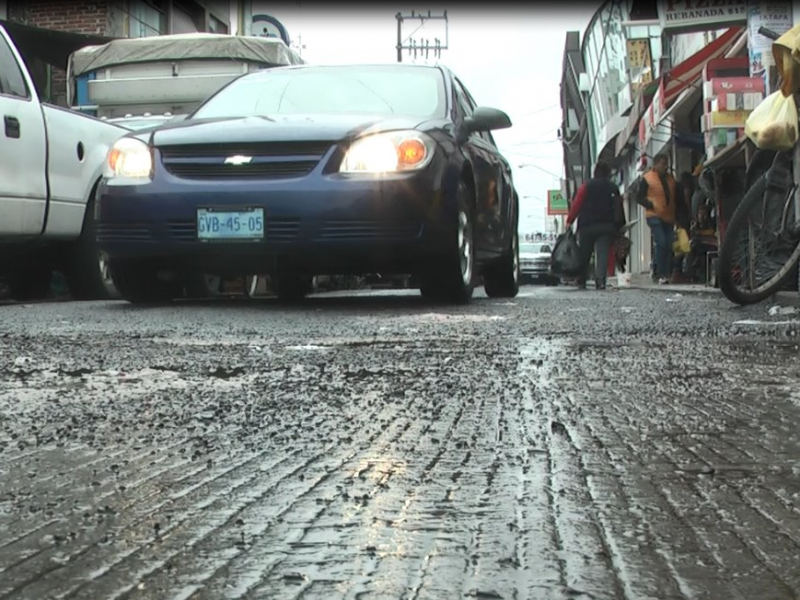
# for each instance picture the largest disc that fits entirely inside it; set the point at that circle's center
(23, 179)
(489, 178)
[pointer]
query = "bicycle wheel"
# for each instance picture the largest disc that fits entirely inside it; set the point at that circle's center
(760, 253)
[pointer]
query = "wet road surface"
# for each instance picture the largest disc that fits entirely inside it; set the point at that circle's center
(566, 444)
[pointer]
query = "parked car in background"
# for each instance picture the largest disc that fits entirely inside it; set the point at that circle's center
(534, 260)
(302, 171)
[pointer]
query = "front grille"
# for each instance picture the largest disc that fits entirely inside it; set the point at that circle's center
(273, 149)
(183, 231)
(266, 170)
(132, 232)
(282, 230)
(268, 160)
(368, 230)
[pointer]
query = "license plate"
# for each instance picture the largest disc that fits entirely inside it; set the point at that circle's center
(245, 224)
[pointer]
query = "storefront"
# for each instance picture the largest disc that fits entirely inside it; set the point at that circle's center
(672, 122)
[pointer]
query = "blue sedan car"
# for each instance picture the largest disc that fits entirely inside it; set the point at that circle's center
(313, 170)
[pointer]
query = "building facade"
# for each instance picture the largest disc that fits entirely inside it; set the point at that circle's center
(642, 94)
(574, 137)
(112, 19)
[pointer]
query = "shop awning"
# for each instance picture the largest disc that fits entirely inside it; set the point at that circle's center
(47, 45)
(683, 104)
(688, 73)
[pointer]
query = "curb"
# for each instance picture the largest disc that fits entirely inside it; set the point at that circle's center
(698, 291)
(780, 298)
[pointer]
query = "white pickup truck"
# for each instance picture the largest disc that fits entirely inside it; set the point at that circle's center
(51, 160)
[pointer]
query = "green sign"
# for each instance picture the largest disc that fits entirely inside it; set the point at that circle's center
(556, 203)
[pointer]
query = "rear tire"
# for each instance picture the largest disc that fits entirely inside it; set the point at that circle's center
(292, 288)
(141, 284)
(451, 281)
(501, 280)
(30, 284)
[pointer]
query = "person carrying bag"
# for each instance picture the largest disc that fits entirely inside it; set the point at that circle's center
(600, 214)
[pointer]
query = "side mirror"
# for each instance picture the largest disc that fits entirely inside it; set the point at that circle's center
(487, 119)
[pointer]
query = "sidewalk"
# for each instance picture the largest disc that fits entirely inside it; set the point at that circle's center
(643, 282)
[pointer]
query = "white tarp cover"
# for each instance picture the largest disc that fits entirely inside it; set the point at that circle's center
(188, 46)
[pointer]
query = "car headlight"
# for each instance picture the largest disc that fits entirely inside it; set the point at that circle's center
(129, 158)
(389, 152)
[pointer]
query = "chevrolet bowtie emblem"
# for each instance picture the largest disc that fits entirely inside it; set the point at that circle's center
(238, 160)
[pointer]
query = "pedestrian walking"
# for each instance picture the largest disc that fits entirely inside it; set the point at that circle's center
(660, 194)
(600, 214)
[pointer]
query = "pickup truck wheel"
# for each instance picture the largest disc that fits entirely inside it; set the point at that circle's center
(141, 284)
(501, 279)
(31, 284)
(87, 272)
(451, 281)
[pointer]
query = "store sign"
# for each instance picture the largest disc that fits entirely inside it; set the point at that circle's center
(640, 64)
(557, 203)
(697, 15)
(776, 16)
(269, 27)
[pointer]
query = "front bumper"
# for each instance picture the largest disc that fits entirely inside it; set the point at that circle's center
(320, 222)
(534, 269)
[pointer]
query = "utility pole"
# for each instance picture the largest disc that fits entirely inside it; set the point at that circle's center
(425, 47)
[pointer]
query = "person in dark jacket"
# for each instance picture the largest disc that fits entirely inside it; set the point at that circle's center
(600, 214)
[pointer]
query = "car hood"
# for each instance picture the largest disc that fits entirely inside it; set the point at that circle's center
(283, 128)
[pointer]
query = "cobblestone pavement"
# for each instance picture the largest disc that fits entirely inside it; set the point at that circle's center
(597, 445)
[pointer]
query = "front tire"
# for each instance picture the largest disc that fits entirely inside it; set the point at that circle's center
(87, 273)
(501, 280)
(452, 280)
(141, 284)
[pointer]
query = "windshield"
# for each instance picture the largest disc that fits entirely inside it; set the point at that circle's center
(379, 90)
(534, 248)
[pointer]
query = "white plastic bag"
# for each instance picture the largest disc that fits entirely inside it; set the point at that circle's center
(773, 123)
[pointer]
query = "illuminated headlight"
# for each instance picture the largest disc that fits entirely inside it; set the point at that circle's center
(129, 159)
(390, 152)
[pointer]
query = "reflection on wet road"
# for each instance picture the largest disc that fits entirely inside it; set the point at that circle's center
(562, 445)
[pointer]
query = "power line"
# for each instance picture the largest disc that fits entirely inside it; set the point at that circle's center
(541, 110)
(522, 166)
(425, 47)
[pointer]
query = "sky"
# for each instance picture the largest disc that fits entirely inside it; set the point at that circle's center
(509, 58)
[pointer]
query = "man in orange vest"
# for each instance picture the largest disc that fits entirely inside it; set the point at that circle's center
(659, 193)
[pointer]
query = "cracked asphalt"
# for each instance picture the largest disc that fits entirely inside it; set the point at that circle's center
(563, 445)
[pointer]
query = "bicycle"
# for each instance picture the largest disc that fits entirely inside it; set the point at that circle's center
(761, 249)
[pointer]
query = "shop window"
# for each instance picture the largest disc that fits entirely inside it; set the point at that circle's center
(146, 19)
(187, 17)
(644, 10)
(216, 26)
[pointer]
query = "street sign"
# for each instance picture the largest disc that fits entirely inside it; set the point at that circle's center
(557, 203)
